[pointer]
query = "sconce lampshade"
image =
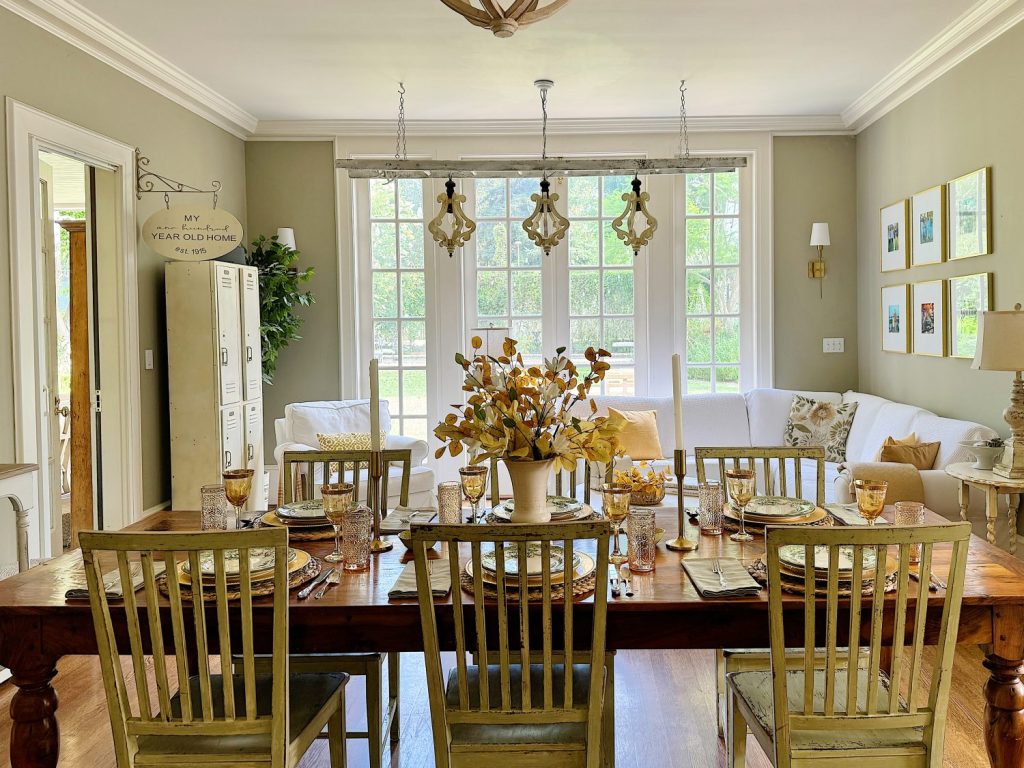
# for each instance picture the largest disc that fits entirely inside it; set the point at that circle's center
(819, 233)
(286, 237)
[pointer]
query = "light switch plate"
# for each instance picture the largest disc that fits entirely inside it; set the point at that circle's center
(833, 345)
(149, 359)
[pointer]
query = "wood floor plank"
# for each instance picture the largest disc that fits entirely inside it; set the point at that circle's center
(664, 701)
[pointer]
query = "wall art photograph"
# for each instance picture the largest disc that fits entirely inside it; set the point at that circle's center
(928, 219)
(895, 302)
(895, 245)
(968, 297)
(970, 220)
(928, 309)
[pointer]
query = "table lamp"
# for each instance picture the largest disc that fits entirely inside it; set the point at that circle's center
(1001, 348)
(819, 239)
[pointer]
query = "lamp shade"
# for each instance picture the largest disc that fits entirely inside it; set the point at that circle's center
(1000, 341)
(819, 233)
(286, 237)
(493, 339)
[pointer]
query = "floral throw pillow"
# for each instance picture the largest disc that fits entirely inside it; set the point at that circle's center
(815, 422)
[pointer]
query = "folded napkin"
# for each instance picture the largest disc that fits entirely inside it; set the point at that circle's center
(398, 519)
(738, 582)
(847, 514)
(405, 585)
(111, 582)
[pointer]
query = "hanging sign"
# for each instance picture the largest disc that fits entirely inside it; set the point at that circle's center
(192, 232)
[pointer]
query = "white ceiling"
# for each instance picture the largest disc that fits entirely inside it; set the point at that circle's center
(342, 59)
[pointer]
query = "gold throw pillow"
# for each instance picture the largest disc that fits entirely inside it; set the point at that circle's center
(921, 455)
(639, 436)
(910, 439)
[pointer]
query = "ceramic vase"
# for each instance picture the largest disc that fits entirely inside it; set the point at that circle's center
(530, 490)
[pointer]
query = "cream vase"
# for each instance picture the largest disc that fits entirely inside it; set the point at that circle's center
(530, 490)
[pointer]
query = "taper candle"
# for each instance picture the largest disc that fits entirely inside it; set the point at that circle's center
(374, 407)
(677, 398)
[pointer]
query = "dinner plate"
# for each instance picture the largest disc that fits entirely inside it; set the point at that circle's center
(585, 565)
(815, 516)
(260, 559)
(303, 510)
(271, 519)
(777, 506)
(534, 560)
(794, 556)
(297, 560)
(562, 508)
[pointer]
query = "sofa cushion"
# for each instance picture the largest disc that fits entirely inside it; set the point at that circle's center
(332, 416)
(867, 411)
(638, 437)
(813, 422)
(768, 412)
(910, 439)
(921, 455)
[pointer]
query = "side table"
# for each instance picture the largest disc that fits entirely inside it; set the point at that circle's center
(18, 483)
(993, 485)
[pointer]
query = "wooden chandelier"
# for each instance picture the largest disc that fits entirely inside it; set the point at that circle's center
(501, 21)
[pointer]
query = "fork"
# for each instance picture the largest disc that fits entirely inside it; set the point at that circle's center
(716, 567)
(334, 578)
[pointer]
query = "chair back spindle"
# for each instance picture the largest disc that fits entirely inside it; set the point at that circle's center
(299, 468)
(788, 466)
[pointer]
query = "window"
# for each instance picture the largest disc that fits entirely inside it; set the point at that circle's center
(398, 301)
(712, 279)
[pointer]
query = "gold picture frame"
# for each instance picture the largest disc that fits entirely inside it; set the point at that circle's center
(928, 318)
(969, 232)
(896, 318)
(894, 243)
(962, 305)
(928, 226)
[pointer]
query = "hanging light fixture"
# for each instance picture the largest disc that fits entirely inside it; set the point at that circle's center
(635, 217)
(545, 226)
(451, 227)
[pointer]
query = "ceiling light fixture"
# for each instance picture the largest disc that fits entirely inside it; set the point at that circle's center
(501, 21)
(451, 227)
(635, 217)
(545, 226)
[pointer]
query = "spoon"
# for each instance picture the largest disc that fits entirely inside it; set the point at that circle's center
(334, 578)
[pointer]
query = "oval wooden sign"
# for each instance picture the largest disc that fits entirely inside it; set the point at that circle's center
(192, 232)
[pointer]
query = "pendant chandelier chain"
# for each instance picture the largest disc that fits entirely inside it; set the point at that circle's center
(401, 152)
(544, 128)
(684, 128)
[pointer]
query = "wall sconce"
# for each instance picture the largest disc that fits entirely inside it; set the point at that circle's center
(819, 239)
(286, 237)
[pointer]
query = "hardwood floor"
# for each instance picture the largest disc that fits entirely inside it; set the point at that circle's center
(664, 699)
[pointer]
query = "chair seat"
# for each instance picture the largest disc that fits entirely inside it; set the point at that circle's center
(307, 695)
(755, 689)
(467, 734)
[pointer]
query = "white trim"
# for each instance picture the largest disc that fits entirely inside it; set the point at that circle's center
(28, 131)
(975, 29)
(157, 508)
(99, 38)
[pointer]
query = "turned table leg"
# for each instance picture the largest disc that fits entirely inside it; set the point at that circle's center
(991, 513)
(1004, 691)
(1011, 514)
(35, 735)
(965, 499)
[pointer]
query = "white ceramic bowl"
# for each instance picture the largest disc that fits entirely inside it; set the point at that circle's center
(985, 456)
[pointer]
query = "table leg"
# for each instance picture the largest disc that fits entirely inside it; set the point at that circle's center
(965, 499)
(21, 514)
(35, 734)
(1004, 692)
(1012, 519)
(991, 513)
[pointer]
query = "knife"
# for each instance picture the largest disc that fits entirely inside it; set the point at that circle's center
(308, 590)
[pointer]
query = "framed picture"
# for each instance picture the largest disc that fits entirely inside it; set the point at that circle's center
(895, 325)
(928, 226)
(928, 318)
(970, 219)
(894, 242)
(968, 296)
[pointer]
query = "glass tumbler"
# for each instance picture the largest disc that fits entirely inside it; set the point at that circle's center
(910, 513)
(356, 535)
(710, 502)
(449, 502)
(215, 508)
(640, 540)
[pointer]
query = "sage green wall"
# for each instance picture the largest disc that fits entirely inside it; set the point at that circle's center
(291, 184)
(814, 178)
(968, 118)
(44, 72)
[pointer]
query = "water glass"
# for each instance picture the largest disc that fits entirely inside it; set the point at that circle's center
(615, 504)
(910, 513)
(710, 503)
(474, 483)
(356, 535)
(237, 487)
(337, 501)
(215, 508)
(449, 502)
(640, 540)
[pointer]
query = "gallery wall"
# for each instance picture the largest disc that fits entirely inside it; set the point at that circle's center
(967, 119)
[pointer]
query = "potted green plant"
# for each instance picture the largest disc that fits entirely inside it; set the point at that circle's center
(280, 295)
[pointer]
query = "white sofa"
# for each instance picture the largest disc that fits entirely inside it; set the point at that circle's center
(298, 429)
(758, 418)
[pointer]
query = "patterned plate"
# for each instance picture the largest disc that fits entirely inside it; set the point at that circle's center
(297, 559)
(271, 518)
(585, 566)
(534, 564)
(778, 506)
(816, 515)
(793, 555)
(561, 508)
(303, 510)
(260, 559)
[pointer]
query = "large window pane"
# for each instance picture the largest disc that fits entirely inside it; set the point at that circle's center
(490, 197)
(385, 341)
(698, 291)
(727, 378)
(584, 245)
(527, 298)
(414, 342)
(388, 382)
(414, 392)
(415, 428)
(698, 241)
(614, 188)
(698, 379)
(410, 199)
(382, 199)
(414, 300)
(492, 244)
(727, 291)
(616, 252)
(382, 245)
(618, 292)
(410, 245)
(584, 333)
(385, 294)
(727, 241)
(698, 194)
(620, 340)
(523, 252)
(727, 193)
(491, 293)
(530, 335)
(520, 191)
(583, 196)
(584, 292)
(698, 340)
(727, 340)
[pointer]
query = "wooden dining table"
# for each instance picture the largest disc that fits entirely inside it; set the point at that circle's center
(38, 626)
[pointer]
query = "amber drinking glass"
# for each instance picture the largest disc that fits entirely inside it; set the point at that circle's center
(237, 487)
(742, 484)
(870, 498)
(615, 503)
(474, 481)
(337, 500)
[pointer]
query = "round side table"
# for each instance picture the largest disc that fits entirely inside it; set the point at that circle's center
(992, 485)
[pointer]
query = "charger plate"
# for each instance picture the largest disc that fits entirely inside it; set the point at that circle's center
(272, 518)
(777, 506)
(583, 584)
(795, 584)
(813, 518)
(534, 566)
(562, 508)
(585, 565)
(261, 560)
(297, 560)
(297, 532)
(303, 511)
(795, 557)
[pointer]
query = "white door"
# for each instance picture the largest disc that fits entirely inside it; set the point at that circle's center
(252, 358)
(254, 452)
(232, 437)
(226, 293)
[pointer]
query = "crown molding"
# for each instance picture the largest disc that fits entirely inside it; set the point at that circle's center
(975, 29)
(88, 32)
(270, 130)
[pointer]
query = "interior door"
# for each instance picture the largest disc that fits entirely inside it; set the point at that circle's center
(226, 293)
(252, 354)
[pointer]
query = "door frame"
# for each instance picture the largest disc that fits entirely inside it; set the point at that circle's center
(30, 130)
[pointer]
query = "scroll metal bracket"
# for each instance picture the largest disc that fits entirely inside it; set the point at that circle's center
(147, 181)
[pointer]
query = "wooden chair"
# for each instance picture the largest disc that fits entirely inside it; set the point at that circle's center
(516, 712)
(352, 466)
(728, 660)
(859, 717)
(227, 719)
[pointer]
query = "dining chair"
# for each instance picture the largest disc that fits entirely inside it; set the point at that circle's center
(728, 660)
(863, 716)
(382, 723)
(528, 708)
(226, 718)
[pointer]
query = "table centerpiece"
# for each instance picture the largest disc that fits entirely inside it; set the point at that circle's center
(648, 484)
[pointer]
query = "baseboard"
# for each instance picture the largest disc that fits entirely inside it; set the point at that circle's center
(155, 508)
